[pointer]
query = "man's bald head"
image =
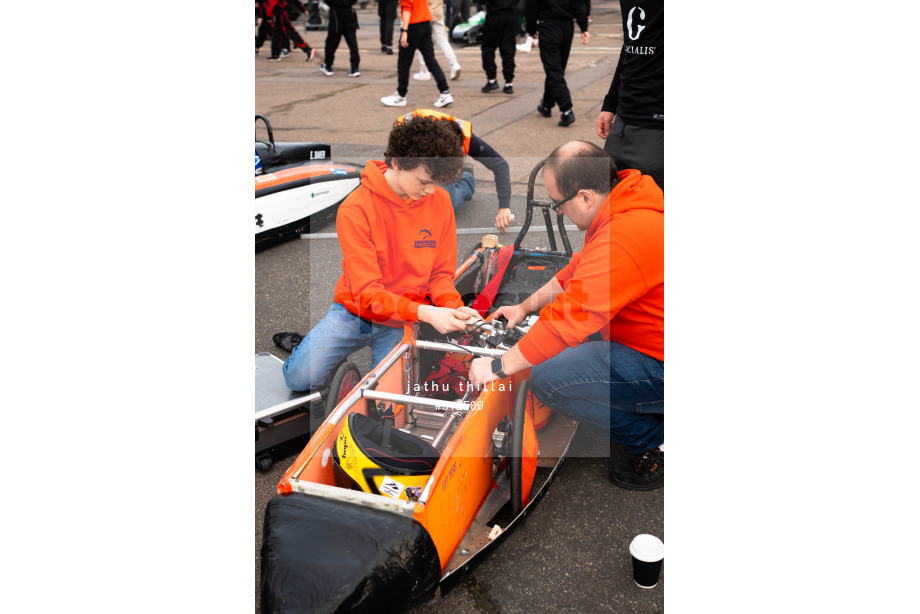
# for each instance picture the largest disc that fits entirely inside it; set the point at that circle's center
(579, 165)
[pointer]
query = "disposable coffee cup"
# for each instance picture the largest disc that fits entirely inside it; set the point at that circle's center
(647, 555)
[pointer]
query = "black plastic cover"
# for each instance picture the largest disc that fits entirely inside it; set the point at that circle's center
(322, 556)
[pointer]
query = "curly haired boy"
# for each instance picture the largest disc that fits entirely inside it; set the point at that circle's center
(399, 253)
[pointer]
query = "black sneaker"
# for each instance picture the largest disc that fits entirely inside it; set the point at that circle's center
(489, 86)
(643, 472)
(508, 89)
(544, 111)
(567, 118)
(275, 58)
(387, 49)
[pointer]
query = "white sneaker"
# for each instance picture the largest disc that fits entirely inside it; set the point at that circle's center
(422, 75)
(394, 100)
(444, 100)
(454, 72)
(527, 45)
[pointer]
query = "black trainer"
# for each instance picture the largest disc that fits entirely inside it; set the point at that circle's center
(489, 86)
(643, 472)
(508, 89)
(567, 118)
(544, 111)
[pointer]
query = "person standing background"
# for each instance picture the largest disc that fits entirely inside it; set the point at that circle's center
(632, 116)
(415, 33)
(342, 22)
(265, 10)
(386, 11)
(499, 31)
(550, 23)
(283, 28)
(438, 38)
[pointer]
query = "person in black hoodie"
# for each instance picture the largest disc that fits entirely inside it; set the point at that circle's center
(550, 23)
(343, 21)
(499, 31)
(632, 116)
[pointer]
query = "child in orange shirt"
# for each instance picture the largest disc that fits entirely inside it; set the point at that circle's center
(399, 248)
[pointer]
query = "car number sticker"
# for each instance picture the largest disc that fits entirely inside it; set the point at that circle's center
(264, 178)
(391, 487)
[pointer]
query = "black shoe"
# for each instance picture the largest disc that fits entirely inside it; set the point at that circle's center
(544, 111)
(489, 86)
(275, 58)
(567, 118)
(508, 89)
(287, 341)
(643, 472)
(387, 49)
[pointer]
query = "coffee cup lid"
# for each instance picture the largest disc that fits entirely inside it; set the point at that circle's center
(647, 548)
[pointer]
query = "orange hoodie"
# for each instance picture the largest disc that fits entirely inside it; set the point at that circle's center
(615, 284)
(397, 255)
(418, 10)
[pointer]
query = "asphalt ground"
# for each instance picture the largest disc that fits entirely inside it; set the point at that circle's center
(571, 555)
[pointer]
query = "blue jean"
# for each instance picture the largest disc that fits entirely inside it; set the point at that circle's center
(608, 386)
(337, 336)
(461, 190)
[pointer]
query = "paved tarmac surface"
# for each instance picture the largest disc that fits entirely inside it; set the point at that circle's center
(571, 554)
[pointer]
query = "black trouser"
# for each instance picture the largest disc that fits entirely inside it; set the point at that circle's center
(418, 37)
(265, 26)
(637, 147)
(342, 22)
(459, 12)
(284, 28)
(555, 38)
(498, 31)
(386, 10)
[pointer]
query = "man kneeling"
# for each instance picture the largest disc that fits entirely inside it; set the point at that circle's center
(615, 287)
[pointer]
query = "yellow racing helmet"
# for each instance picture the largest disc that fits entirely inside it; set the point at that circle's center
(383, 460)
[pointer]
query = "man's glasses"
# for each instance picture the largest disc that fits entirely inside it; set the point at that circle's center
(557, 206)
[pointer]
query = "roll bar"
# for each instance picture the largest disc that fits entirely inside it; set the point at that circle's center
(545, 205)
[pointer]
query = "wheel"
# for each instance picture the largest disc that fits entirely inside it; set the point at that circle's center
(264, 463)
(517, 447)
(343, 382)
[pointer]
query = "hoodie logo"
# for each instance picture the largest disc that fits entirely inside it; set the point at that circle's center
(425, 240)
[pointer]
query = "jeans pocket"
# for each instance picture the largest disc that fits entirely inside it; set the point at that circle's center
(652, 407)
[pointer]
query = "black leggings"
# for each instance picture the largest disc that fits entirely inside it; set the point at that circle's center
(418, 37)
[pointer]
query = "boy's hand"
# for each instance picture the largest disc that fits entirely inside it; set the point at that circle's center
(443, 319)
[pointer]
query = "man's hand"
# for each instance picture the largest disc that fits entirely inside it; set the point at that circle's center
(503, 219)
(481, 372)
(535, 34)
(584, 37)
(404, 39)
(512, 313)
(443, 319)
(604, 121)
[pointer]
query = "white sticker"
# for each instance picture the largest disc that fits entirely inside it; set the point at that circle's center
(264, 178)
(391, 487)
(326, 454)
